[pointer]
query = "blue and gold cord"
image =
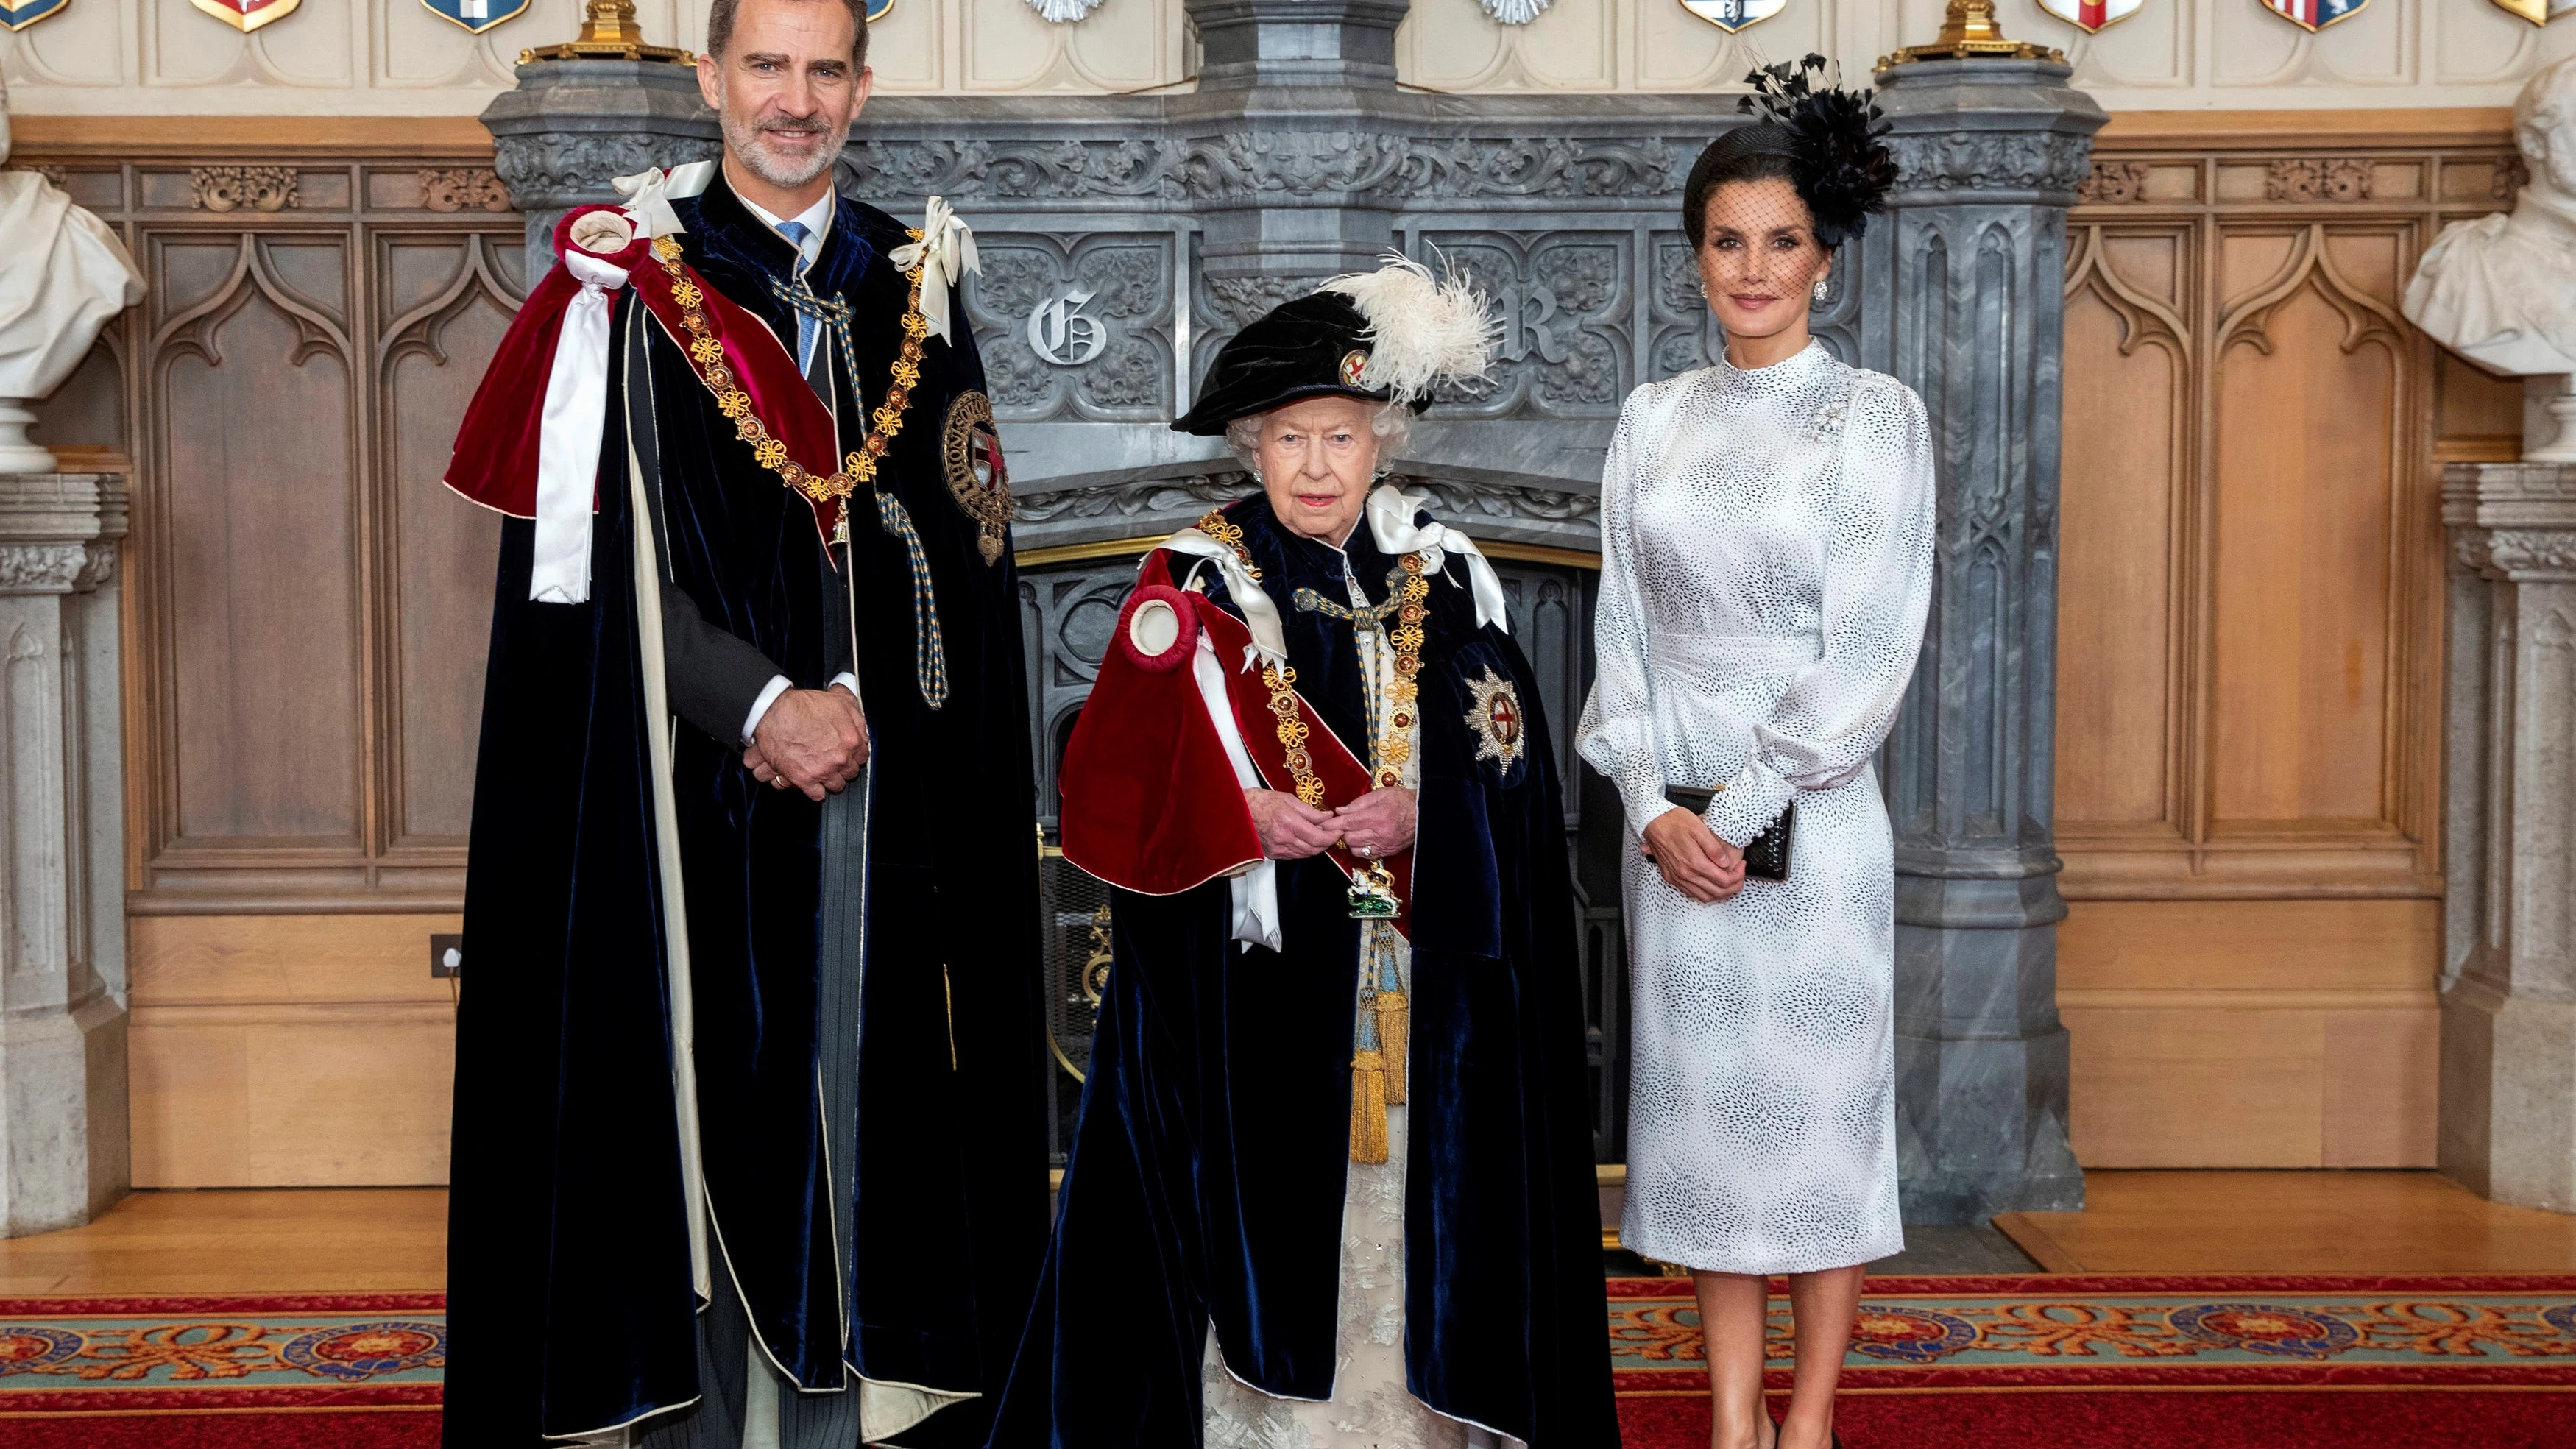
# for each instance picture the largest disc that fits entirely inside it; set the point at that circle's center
(930, 659)
(930, 656)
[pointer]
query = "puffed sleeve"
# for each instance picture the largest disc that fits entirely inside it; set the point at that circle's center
(1617, 735)
(1877, 589)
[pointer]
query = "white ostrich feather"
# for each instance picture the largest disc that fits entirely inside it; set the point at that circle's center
(1423, 330)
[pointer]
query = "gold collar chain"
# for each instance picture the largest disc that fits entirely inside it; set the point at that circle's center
(859, 467)
(1394, 747)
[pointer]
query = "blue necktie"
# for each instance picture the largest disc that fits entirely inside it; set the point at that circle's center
(806, 326)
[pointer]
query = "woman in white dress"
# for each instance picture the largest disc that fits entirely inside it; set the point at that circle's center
(1767, 529)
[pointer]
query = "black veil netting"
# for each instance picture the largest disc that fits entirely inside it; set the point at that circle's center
(1833, 140)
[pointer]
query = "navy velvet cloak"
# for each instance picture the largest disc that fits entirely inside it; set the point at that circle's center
(1206, 1178)
(569, 1284)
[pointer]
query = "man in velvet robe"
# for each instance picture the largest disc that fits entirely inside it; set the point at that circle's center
(1229, 1225)
(749, 1132)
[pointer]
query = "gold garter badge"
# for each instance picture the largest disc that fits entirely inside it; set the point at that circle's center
(1496, 718)
(977, 478)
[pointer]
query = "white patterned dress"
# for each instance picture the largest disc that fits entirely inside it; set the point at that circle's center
(1766, 566)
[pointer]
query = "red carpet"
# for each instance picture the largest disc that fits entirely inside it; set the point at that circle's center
(2036, 1362)
(2128, 1419)
(2099, 1362)
(233, 1429)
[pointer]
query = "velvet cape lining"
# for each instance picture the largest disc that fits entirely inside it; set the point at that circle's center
(565, 1208)
(1152, 804)
(1206, 1179)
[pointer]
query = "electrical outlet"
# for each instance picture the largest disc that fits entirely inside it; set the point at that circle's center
(447, 957)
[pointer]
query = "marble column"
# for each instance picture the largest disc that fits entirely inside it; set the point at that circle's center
(2508, 1117)
(1962, 300)
(572, 124)
(62, 862)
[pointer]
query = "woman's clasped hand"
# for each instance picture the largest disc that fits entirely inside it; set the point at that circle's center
(1691, 857)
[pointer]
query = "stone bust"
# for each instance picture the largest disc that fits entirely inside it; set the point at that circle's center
(63, 275)
(2501, 290)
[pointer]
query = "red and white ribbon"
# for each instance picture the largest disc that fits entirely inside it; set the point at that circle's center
(945, 253)
(576, 413)
(1391, 512)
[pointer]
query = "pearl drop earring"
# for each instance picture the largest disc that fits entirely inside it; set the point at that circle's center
(1820, 289)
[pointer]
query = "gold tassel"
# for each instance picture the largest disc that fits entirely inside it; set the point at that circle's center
(1368, 1106)
(1394, 1023)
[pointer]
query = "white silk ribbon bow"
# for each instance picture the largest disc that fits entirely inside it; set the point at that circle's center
(650, 192)
(1391, 512)
(568, 431)
(1260, 616)
(945, 252)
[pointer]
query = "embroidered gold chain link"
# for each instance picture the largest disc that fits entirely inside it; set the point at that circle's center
(1393, 749)
(705, 351)
(1280, 679)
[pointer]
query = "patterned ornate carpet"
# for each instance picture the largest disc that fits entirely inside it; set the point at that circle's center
(308, 1371)
(2077, 1362)
(2068, 1362)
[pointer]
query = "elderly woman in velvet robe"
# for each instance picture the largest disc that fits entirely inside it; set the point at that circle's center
(1332, 1184)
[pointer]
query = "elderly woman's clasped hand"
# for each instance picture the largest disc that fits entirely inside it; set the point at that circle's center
(1378, 824)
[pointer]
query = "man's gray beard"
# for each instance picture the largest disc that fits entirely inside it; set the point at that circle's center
(749, 146)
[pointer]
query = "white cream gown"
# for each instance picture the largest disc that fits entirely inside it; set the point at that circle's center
(1370, 1408)
(1766, 567)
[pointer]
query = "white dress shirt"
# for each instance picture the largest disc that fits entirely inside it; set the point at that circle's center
(817, 221)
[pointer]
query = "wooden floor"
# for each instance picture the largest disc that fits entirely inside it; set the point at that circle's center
(2291, 1222)
(394, 1239)
(301, 1240)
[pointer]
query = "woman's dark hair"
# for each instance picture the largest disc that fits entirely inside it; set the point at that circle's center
(1824, 141)
(1743, 154)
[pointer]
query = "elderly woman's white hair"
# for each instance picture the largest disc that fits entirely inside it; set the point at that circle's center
(1391, 423)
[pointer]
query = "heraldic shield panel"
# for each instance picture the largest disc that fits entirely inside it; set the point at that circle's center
(2091, 15)
(246, 14)
(19, 14)
(1734, 15)
(477, 15)
(2314, 14)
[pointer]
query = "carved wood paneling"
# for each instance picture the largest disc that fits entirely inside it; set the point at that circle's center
(2128, 371)
(2250, 647)
(449, 299)
(2316, 392)
(307, 616)
(2250, 622)
(311, 604)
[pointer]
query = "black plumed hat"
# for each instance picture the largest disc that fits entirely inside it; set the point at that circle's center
(1833, 140)
(1385, 336)
(1306, 347)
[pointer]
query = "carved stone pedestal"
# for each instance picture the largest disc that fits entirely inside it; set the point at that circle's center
(62, 875)
(1962, 299)
(2509, 914)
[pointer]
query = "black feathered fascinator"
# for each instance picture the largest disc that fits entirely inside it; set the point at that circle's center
(1832, 139)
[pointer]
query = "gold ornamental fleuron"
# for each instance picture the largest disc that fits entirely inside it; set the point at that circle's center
(2538, 12)
(609, 32)
(1969, 32)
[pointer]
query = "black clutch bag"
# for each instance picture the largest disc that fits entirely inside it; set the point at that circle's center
(1766, 856)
